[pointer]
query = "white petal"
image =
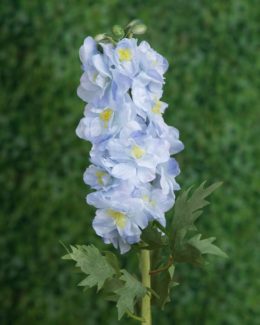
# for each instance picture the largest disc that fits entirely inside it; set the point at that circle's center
(87, 49)
(145, 174)
(102, 223)
(99, 64)
(124, 171)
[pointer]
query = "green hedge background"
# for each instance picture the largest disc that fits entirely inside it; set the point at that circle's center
(213, 99)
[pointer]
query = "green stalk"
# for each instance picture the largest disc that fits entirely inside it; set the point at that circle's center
(145, 266)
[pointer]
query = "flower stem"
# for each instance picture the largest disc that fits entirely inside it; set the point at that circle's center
(145, 266)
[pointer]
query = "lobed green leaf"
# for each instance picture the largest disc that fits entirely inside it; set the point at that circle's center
(161, 284)
(129, 293)
(93, 263)
(205, 246)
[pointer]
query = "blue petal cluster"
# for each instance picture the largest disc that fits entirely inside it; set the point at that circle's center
(132, 170)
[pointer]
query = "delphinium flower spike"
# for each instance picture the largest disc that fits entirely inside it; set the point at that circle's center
(133, 174)
(132, 170)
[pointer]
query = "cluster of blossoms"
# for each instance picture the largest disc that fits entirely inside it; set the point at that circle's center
(132, 170)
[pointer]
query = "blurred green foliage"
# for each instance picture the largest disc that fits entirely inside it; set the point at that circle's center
(212, 93)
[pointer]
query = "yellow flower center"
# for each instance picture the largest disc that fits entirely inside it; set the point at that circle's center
(99, 175)
(125, 54)
(148, 200)
(119, 218)
(156, 109)
(137, 152)
(106, 115)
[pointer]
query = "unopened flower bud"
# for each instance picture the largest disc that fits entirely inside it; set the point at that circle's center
(139, 29)
(118, 31)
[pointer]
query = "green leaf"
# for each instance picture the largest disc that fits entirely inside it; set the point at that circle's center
(109, 288)
(191, 251)
(153, 237)
(66, 257)
(187, 210)
(205, 246)
(113, 261)
(129, 293)
(161, 284)
(104, 272)
(156, 258)
(186, 253)
(93, 263)
(188, 207)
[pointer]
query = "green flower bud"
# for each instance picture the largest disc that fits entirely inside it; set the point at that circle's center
(118, 31)
(139, 29)
(100, 37)
(133, 23)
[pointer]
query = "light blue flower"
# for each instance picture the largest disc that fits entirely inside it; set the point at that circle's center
(156, 203)
(172, 134)
(104, 226)
(120, 198)
(96, 80)
(98, 178)
(111, 198)
(168, 133)
(133, 128)
(153, 111)
(151, 61)
(167, 173)
(124, 57)
(119, 215)
(132, 170)
(100, 123)
(137, 158)
(99, 154)
(87, 50)
(145, 89)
